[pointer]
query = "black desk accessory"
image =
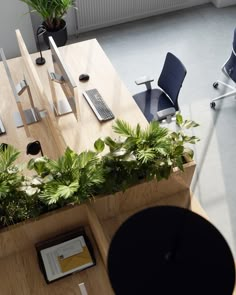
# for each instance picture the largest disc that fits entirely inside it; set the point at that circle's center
(3, 146)
(60, 256)
(40, 31)
(33, 148)
(170, 250)
(84, 77)
(2, 128)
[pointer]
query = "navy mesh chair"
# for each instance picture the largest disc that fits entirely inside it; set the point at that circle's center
(229, 69)
(162, 103)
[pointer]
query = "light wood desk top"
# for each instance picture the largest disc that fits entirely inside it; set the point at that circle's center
(82, 57)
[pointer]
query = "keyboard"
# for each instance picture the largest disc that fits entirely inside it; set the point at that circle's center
(98, 105)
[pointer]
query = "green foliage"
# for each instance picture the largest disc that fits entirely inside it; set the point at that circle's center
(72, 178)
(149, 153)
(10, 178)
(52, 11)
(15, 204)
(99, 145)
(137, 154)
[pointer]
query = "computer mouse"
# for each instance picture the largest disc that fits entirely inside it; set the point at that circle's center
(84, 77)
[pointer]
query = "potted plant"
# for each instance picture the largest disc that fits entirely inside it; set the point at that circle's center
(52, 13)
(136, 157)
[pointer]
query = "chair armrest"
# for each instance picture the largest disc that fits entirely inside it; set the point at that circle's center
(145, 80)
(166, 114)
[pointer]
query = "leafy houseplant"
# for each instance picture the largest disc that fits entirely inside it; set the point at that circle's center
(15, 204)
(70, 179)
(52, 13)
(145, 154)
(136, 155)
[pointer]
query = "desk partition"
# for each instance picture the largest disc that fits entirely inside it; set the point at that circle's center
(53, 131)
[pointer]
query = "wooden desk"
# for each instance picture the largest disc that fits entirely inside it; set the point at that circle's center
(19, 270)
(79, 135)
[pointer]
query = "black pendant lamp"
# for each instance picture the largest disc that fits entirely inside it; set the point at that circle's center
(169, 250)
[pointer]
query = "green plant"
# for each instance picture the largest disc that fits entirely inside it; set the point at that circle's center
(134, 156)
(52, 11)
(15, 204)
(72, 178)
(145, 154)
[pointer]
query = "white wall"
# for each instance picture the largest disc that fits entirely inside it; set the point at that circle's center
(223, 3)
(13, 16)
(101, 13)
(94, 14)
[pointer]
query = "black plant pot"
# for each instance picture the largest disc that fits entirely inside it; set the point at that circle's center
(59, 36)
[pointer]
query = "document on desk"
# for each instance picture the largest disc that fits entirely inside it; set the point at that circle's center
(66, 258)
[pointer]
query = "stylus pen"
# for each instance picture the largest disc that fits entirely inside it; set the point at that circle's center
(83, 290)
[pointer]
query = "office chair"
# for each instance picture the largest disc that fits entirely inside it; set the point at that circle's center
(162, 103)
(229, 69)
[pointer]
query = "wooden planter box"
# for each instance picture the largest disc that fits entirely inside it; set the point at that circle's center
(146, 194)
(102, 216)
(20, 236)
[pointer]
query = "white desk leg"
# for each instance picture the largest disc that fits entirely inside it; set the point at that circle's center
(83, 290)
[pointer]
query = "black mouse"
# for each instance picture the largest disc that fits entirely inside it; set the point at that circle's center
(84, 77)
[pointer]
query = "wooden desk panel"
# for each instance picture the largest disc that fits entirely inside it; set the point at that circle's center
(20, 274)
(180, 199)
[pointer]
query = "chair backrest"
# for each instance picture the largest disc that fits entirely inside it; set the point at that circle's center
(234, 41)
(172, 77)
(230, 65)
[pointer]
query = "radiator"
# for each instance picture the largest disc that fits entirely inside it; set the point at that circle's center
(100, 13)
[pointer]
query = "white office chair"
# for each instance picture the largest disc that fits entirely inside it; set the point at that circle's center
(229, 69)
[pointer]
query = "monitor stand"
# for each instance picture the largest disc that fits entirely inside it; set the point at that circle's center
(65, 106)
(28, 116)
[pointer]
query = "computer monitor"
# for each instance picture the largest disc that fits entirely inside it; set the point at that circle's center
(63, 77)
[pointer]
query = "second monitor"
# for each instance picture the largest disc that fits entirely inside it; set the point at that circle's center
(62, 76)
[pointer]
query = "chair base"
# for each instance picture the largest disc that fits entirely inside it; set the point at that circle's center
(228, 94)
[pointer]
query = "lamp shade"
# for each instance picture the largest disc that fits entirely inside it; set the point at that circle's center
(33, 148)
(168, 250)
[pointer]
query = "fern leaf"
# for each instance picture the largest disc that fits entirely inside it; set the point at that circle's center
(123, 128)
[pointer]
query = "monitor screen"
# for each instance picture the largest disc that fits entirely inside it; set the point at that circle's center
(63, 76)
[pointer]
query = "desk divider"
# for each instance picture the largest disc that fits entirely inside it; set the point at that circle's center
(43, 100)
(17, 99)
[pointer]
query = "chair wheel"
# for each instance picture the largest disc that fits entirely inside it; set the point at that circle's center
(213, 105)
(215, 85)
